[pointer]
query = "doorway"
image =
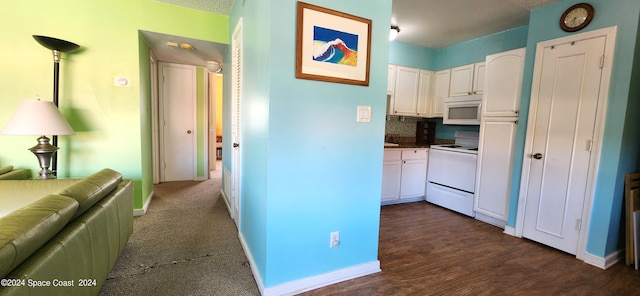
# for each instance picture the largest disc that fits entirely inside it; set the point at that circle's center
(564, 132)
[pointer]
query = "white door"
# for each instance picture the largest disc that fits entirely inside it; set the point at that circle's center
(236, 121)
(178, 95)
(563, 130)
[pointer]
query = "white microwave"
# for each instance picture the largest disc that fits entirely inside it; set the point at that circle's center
(463, 110)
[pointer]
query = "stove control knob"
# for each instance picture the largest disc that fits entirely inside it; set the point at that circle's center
(537, 156)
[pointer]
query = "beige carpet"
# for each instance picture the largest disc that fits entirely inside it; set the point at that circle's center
(186, 244)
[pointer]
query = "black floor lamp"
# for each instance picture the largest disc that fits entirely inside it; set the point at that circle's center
(58, 46)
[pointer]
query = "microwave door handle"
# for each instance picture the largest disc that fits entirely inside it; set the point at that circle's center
(479, 111)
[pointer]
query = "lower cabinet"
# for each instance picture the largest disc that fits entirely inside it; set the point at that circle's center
(404, 175)
(495, 164)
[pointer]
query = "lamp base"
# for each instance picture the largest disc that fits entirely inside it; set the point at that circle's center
(44, 152)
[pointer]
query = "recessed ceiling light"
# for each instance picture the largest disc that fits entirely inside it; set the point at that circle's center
(186, 46)
(172, 44)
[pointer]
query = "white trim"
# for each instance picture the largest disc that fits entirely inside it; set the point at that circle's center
(610, 36)
(226, 201)
(605, 262)
(509, 230)
(252, 263)
(310, 283)
(323, 280)
(491, 220)
(143, 211)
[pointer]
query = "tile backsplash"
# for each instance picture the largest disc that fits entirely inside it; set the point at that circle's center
(406, 128)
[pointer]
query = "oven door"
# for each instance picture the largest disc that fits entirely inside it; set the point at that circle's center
(452, 169)
(455, 200)
(462, 113)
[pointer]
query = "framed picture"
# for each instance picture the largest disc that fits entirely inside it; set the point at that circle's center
(332, 46)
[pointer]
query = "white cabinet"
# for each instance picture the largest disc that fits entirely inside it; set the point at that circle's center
(391, 168)
(498, 127)
(425, 94)
(503, 83)
(440, 92)
(404, 175)
(405, 97)
(467, 80)
(494, 169)
(391, 79)
(414, 173)
(412, 91)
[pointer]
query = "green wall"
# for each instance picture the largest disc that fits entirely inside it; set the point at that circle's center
(112, 124)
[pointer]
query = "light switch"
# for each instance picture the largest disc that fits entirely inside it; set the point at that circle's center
(364, 114)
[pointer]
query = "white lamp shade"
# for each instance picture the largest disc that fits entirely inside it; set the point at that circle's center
(35, 117)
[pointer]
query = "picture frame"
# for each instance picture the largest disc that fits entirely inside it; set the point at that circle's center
(332, 46)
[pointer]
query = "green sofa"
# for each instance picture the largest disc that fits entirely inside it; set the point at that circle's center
(67, 240)
(8, 173)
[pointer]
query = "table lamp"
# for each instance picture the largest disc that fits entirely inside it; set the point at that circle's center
(39, 118)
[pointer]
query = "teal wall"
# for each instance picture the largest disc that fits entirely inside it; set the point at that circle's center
(476, 50)
(307, 167)
(409, 55)
(109, 121)
(620, 148)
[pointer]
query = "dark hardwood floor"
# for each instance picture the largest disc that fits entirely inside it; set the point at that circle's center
(428, 250)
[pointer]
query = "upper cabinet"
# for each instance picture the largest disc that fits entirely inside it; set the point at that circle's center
(391, 79)
(467, 80)
(405, 101)
(503, 83)
(440, 92)
(425, 94)
(412, 91)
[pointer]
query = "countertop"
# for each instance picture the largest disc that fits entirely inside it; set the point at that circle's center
(406, 145)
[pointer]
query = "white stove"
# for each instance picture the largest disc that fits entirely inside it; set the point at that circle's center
(465, 142)
(451, 175)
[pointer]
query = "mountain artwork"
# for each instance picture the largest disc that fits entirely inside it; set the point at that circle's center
(335, 47)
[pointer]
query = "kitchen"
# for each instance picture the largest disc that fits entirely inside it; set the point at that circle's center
(475, 103)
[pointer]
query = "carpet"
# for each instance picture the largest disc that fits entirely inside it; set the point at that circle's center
(186, 244)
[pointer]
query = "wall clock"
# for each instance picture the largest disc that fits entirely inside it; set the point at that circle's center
(576, 17)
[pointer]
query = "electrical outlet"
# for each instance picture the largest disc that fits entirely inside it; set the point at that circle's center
(334, 239)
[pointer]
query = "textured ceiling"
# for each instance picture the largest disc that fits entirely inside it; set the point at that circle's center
(215, 6)
(441, 23)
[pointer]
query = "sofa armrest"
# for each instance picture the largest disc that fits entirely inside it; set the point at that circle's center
(18, 174)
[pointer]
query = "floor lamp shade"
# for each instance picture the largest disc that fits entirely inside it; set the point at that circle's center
(39, 118)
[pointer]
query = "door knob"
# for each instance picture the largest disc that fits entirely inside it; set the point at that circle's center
(537, 156)
(189, 132)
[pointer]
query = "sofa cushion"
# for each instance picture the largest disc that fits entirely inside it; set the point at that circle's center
(6, 169)
(27, 229)
(15, 194)
(91, 189)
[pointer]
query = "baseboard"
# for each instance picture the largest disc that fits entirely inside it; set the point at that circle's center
(490, 220)
(143, 211)
(401, 200)
(319, 281)
(605, 262)
(226, 202)
(310, 283)
(252, 263)
(509, 230)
